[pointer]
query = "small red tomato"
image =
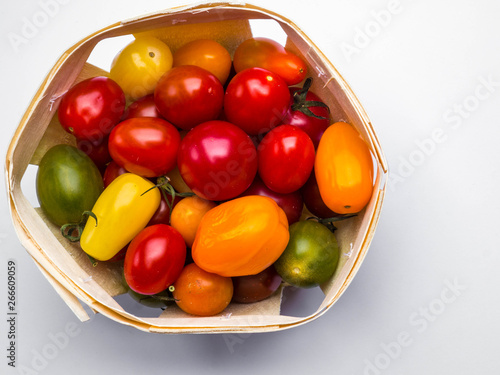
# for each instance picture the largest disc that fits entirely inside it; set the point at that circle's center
(188, 95)
(291, 203)
(97, 151)
(154, 259)
(308, 113)
(146, 146)
(313, 201)
(142, 107)
(286, 159)
(113, 170)
(162, 214)
(91, 108)
(256, 100)
(217, 160)
(254, 288)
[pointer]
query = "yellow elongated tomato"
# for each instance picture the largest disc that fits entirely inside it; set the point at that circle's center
(122, 211)
(241, 237)
(138, 67)
(187, 214)
(344, 169)
(207, 54)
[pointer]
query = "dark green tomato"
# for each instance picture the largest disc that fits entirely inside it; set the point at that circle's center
(67, 184)
(311, 256)
(158, 300)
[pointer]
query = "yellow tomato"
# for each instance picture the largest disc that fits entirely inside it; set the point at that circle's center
(207, 54)
(187, 215)
(138, 67)
(122, 211)
(241, 237)
(344, 169)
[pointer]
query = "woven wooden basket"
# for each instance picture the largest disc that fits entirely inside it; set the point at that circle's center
(63, 263)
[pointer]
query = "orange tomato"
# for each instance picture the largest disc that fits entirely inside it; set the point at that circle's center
(202, 293)
(344, 169)
(207, 54)
(268, 54)
(187, 214)
(241, 237)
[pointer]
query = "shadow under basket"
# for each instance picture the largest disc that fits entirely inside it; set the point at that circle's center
(65, 265)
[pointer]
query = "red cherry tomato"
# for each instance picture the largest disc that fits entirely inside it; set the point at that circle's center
(312, 199)
(291, 203)
(113, 170)
(254, 288)
(162, 214)
(286, 159)
(256, 100)
(146, 146)
(217, 160)
(91, 108)
(188, 95)
(269, 54)
(142, 107)
(154, 259)
(308, 113)
(97, 151)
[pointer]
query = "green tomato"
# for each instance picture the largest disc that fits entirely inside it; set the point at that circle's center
(67, 184)
(311, 256)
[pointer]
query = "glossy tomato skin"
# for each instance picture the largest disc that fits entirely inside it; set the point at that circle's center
(344, 169)
(142, 107)
(202, 293)
(138, 67)
(313, 201)
(97, 151)
(254, 288)
(311, 256)
(286, 159)
(91, 108)
(154, 259)
(162, 214)
(217, 160)
(269, 54)
(314, 127)
(256, 100)
(291, 203)
(112, 171)
(188, 95)
(146, 146)
(67, 184)
(207, 54)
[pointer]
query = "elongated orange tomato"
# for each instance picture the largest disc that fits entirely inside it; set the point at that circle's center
(344, 169)
(241, 237)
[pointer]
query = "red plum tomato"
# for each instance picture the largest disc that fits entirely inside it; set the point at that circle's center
(286, 159)
(313, 201)
(146, 146)
(188, 95)
(217, 160)
(298, 114)
(154, 259)
(291, 203)
(91, 108)
(254, 288)
(256, 100)
(142, 107)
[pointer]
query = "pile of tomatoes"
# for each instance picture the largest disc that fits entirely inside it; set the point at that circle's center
(193, 169)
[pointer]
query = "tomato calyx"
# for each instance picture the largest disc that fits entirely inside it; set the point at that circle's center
(302, 105)
(328, 222)
(68, 231)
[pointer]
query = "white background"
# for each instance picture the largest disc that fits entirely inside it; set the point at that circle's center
(425, 300)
